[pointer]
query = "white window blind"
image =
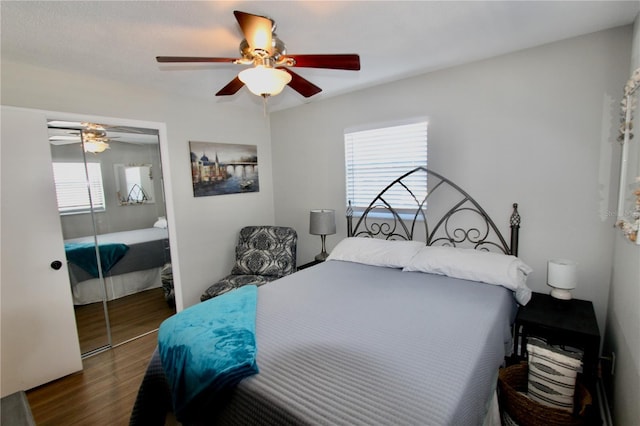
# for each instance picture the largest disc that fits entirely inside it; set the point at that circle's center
(71, 187)
(376, 157)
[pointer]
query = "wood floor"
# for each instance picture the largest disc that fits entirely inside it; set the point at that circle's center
(102, 394)
(105, 391)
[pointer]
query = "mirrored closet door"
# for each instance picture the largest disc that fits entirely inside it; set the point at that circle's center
(111, 203)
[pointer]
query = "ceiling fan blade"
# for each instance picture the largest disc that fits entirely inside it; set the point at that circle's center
(164, 59)
(231, 88)
(302, 85)
(337, 62)
(63, 138)
(257, 30)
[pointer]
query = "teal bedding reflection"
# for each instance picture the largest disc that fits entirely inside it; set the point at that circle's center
(84, 255)
(208, 347)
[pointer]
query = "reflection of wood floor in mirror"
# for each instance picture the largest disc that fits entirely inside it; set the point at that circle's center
(130, 316)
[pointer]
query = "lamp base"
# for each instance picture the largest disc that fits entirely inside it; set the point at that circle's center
(561, 294)
(322, 256)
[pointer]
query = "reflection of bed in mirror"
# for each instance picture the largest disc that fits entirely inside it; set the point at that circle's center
(131, 262)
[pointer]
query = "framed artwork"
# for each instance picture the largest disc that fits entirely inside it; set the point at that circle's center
(222, 168)
(629, 196)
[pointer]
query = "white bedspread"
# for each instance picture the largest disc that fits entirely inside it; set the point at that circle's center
(134, 236)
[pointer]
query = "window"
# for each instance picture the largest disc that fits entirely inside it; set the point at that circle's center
(376, 156)
(71, 187)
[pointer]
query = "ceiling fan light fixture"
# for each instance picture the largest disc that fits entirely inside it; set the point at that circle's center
(264, 81)
(94, 138)
(95, 147)
(263, 49)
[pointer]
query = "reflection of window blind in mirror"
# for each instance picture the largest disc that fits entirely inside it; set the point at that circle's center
(71, 187)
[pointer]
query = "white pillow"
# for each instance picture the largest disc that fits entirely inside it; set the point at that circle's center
(475, 265)
(376, 252)
(160, 223)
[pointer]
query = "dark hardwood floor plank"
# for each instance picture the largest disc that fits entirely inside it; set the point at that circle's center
(102, 394)
(130, 316)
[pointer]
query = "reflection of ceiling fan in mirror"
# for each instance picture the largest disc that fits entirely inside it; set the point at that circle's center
(92, 136)
(96, 137)
(263, 49)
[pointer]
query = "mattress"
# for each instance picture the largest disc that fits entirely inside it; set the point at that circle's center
(344, 343)
(148, 248)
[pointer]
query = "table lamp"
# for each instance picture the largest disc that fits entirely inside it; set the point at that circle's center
(322, 222)
(561, 277)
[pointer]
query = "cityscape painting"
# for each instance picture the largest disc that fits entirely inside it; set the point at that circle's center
(222, 168)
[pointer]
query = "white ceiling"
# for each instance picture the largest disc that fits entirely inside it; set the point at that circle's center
(119, 40)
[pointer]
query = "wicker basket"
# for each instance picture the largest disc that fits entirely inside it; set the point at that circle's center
(512, 381)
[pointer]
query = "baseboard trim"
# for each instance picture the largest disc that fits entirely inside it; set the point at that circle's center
(605, 413)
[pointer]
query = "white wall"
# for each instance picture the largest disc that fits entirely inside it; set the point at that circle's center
(623, 316)
(115, 218)
(534, 127)
(207, 227)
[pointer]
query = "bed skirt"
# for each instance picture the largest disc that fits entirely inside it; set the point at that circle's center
(90, 291)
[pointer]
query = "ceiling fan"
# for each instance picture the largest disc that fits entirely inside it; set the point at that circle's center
(92, 136)
(263, 49)
(96, 137)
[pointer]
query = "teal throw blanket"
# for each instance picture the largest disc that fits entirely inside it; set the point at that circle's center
(84, 255)
(208, 347)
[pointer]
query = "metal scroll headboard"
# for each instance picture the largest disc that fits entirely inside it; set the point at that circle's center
(453, 217)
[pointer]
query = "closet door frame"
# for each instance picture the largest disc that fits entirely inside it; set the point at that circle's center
(39, 340)
(166, 176)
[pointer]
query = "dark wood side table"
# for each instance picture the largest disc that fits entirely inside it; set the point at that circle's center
(561, 322)
(308, 265)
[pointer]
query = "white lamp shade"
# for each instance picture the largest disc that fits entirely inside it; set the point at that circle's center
(95, 146)
(264, 81)
(562, 275)
(322, 222)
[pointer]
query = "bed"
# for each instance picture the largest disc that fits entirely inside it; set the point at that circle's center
(131, 261)
(383, 332)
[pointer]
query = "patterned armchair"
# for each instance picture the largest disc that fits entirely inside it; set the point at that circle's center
(263, 254)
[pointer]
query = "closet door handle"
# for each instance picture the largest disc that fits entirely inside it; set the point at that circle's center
(56, 264)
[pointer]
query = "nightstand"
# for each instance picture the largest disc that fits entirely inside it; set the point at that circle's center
(310, 264)
(561, 322)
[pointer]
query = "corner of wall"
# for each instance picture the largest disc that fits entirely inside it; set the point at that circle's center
(621, 379)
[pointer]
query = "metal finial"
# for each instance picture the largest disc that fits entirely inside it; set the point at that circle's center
(515, 216)
(349, 210)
